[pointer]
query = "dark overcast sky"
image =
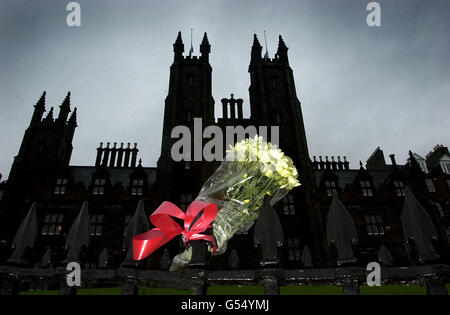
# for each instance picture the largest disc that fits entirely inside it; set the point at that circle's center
(360, 87)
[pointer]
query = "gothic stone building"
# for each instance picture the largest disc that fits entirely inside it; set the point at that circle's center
(373, 197)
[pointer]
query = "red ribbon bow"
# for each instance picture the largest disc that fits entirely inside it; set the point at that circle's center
(166, 228)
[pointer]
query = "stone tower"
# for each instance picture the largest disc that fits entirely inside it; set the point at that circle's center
(46, 146)
(273, 101)
(189, 97)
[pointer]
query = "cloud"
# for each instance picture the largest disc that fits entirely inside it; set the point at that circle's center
(360, 87)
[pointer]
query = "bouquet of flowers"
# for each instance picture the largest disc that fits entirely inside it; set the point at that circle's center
(252, 169)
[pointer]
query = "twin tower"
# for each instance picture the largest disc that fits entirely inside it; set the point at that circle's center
(273, 102)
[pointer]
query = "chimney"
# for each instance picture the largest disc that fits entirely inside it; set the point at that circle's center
(224, 108)
(239, 107)
(99, 154)
(120, 156)
(112, 161)
(127, 155)
(346, 163)
(232, 106)
(392, 156)
(134, 155)
(340, 164)
(106, 154)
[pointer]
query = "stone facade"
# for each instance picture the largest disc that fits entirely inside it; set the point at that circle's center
(373, 195)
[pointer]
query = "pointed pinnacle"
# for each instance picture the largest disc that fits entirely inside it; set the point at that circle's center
(256, 41)
(73, 117)
(281, 43)
(66, 101)
(50, 114)
(205, 41)
(41, 101)
(179, 40)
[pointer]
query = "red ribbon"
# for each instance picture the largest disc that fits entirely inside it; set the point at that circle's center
(166, 228)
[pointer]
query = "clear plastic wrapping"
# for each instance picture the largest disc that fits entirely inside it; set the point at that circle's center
(252, 169)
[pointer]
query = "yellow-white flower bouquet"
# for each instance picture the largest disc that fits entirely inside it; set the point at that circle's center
(252, 169)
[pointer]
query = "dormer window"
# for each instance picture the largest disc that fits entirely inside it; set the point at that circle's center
(366, 188)
(137, 187)
(399, 188)
(61, 186)
(422, 162)
(423, 166)
(430, 185)
(331, 187)
(99, 186)
(445, 167)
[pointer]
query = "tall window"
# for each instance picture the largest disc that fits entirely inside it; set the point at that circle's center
(185, 201)
(293, 248)
(274, 82)
(399, 188)
(448, 183)
(52, 224)
(288, 204)
(190, 80)
(96, 224)
(331, 187)
(137, 187)
(188, 116)
(127, 221)
(366, 189)
(374, 224)
(430, 185)
(99, 186)
(1, 194)
(438, 207)
(41, 147)
(278, 118)
(61, 186)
